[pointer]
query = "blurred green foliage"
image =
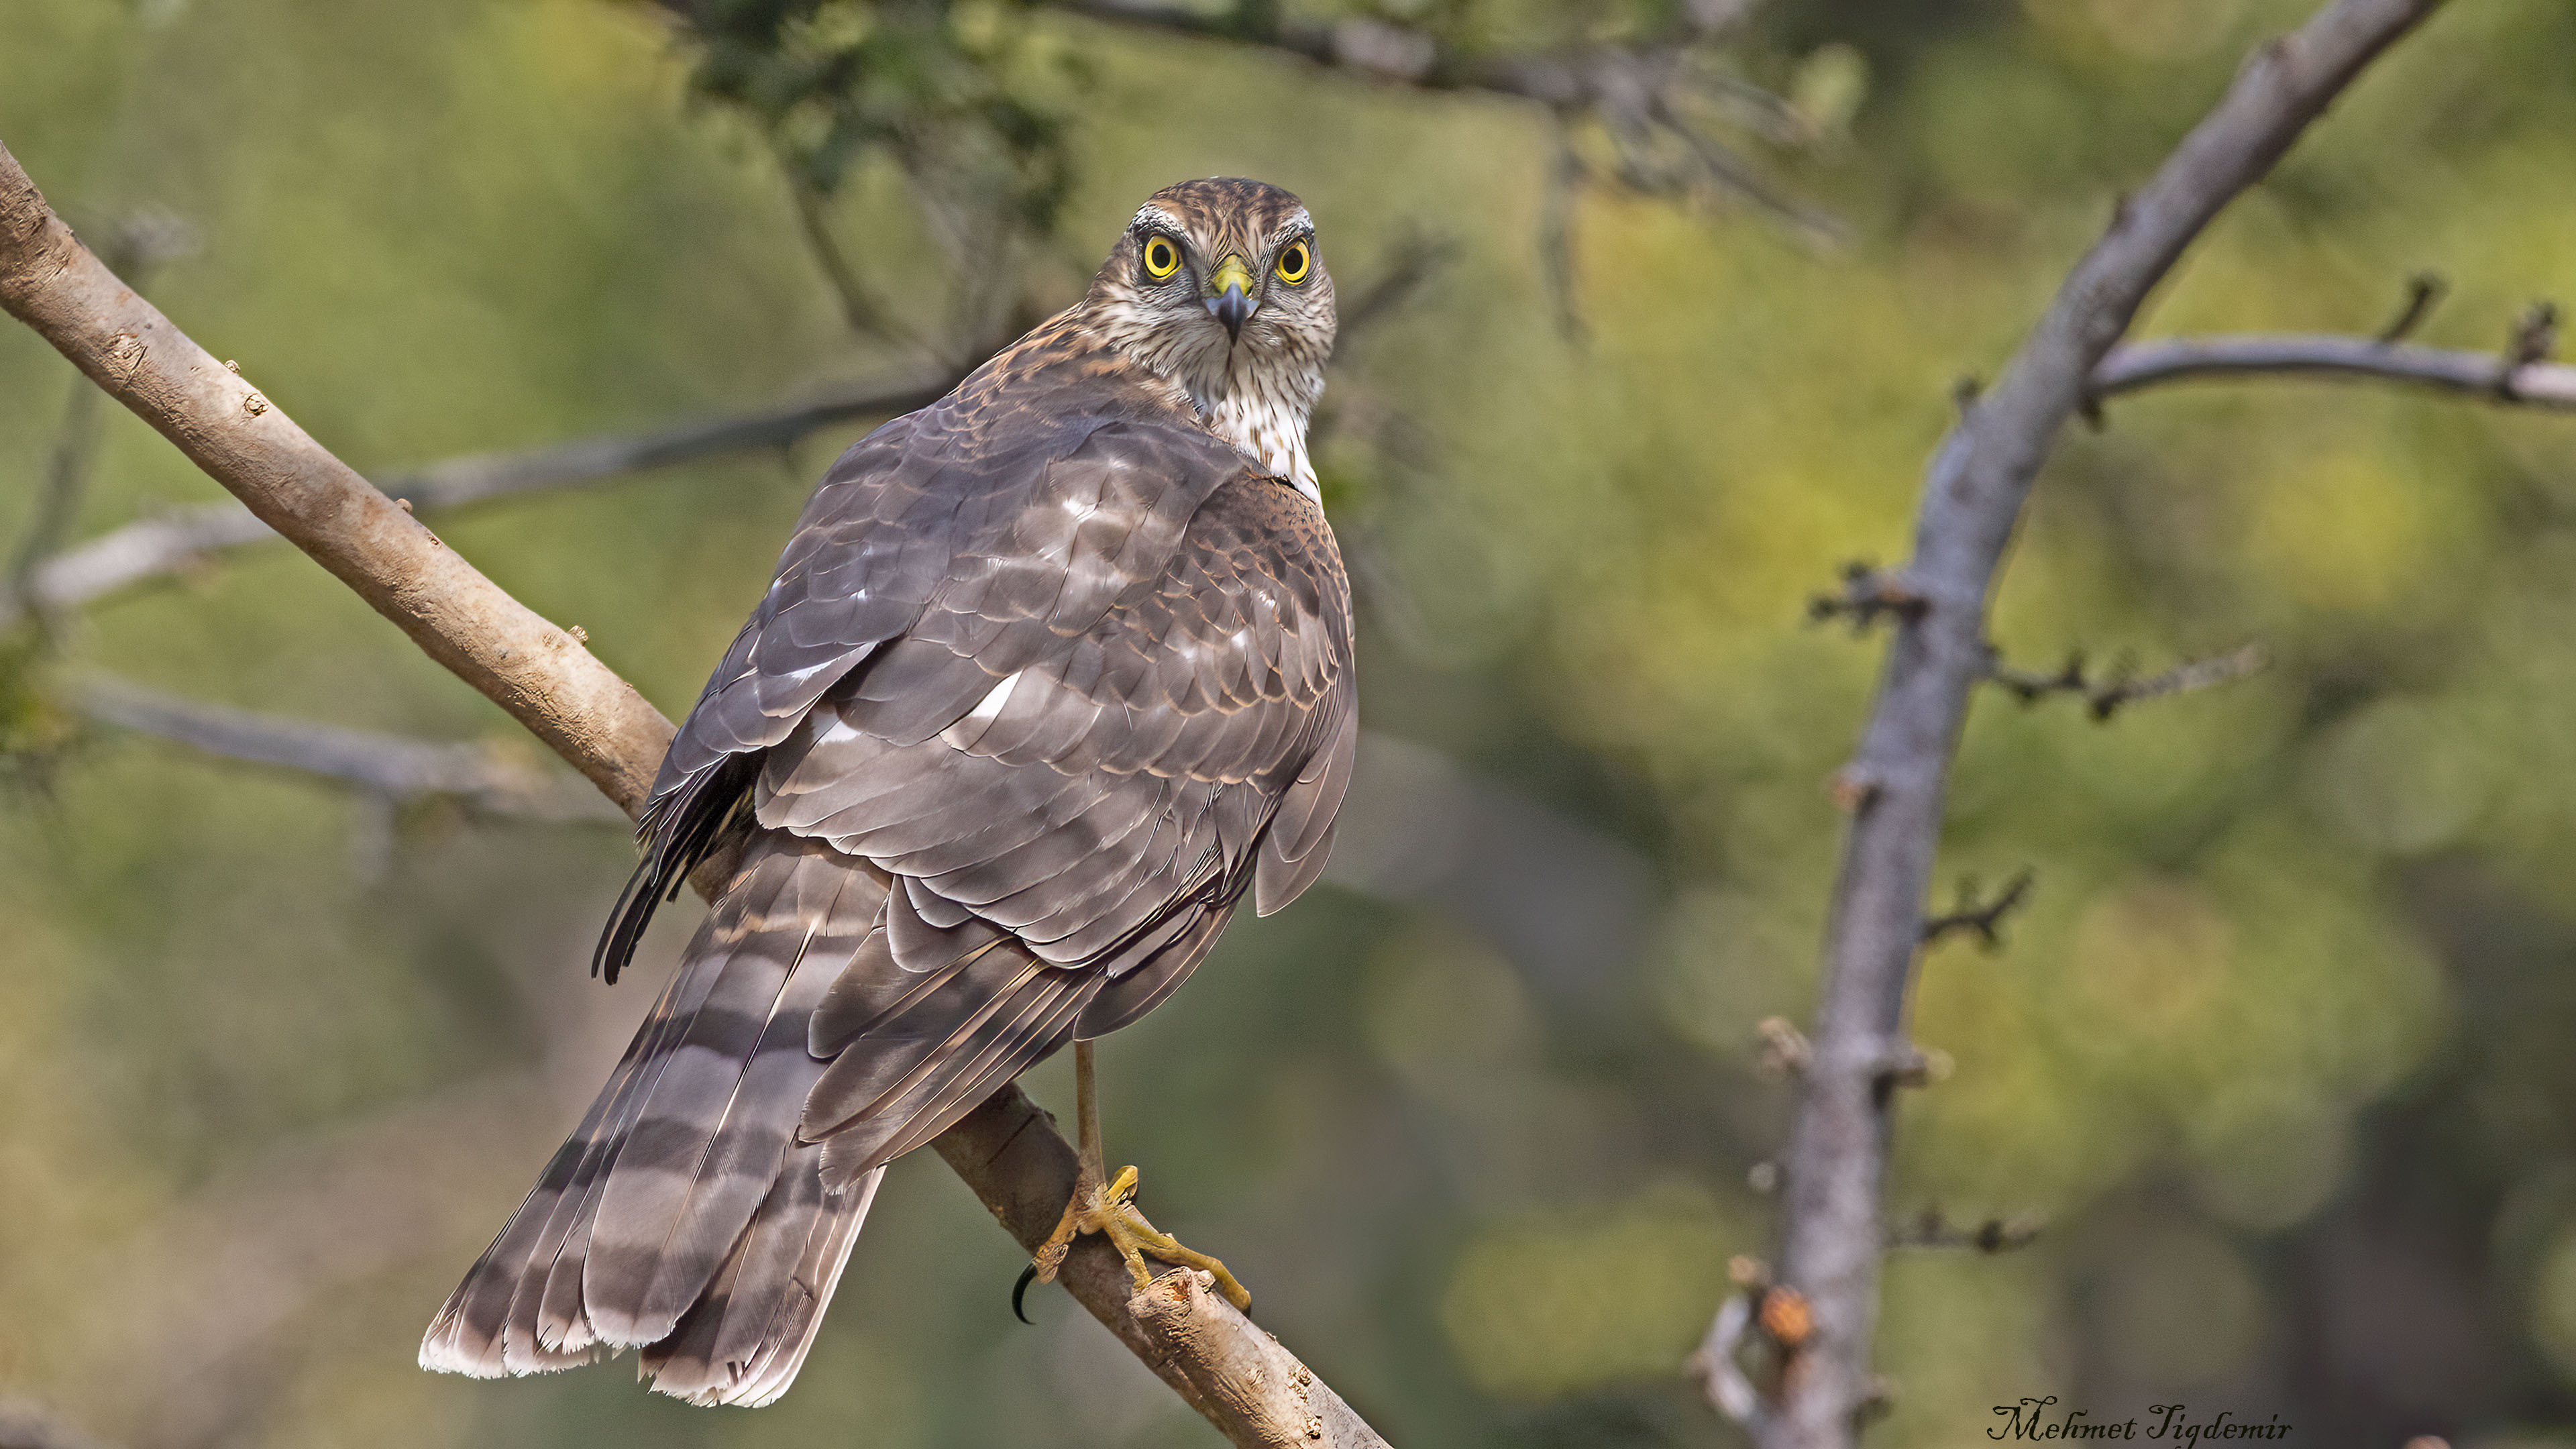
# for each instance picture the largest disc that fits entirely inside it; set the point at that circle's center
(2277, 1053)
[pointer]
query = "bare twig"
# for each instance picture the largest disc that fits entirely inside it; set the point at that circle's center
(2472, 376)
(1931, 1229)
(482, 781)
(542, 675)
(1722, 1377)
(1971, 500)
(1763, 1321)
(2534, 339)
(2423, 293)
(1784, 1049)
(174, 542)
(1983, 919)
(1867, 596)
(2104, 696)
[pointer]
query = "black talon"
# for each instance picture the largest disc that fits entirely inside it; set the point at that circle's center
(1019, 1291)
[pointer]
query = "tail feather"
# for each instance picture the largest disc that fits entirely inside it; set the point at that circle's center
(712, 1137)
(707, 1205)
(547, 1327)
(743, 1342)
(676, 1216)
(467, 1336)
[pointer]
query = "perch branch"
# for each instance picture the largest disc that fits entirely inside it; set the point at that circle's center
(1972, 497)
(544, 677)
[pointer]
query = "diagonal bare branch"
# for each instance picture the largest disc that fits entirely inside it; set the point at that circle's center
(1832, 1237)
(1007, 1150)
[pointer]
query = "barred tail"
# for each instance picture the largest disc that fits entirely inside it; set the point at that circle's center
(682, 1216)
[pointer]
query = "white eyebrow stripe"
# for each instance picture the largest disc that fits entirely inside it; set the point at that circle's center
(1154, 213)
(1297, 223)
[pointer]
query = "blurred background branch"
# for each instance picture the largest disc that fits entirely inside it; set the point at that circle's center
(402, 771)
(1831, 1239)
(2500, 378)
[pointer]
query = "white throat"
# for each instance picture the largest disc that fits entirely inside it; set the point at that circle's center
(1265, 423)
(1261, 410)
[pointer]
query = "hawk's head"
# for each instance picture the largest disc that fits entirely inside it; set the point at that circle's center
(1218, 286)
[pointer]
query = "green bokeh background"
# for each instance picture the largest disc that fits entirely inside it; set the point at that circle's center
(2278, 1055)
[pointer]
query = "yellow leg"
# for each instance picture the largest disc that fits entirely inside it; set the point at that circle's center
(1109, 1208)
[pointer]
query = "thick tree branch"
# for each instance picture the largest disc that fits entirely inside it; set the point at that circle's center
(1008, 1150)
(2475, 376)
(1832, 1236)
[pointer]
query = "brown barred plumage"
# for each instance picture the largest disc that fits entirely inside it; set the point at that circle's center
(1052, 673)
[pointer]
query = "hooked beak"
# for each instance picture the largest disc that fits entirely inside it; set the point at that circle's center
(1231, 301)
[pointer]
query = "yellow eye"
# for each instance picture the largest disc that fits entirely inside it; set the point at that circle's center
(1161, 257)
(1294, 262)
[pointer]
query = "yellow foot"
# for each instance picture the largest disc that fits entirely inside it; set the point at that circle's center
(1111, 1211)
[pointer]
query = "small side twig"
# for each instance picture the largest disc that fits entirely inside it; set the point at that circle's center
(1930, 1228)
(1784, 1050)
(1764, 1321)
(2104, 696)
(2533, 339)
(2423, 292)
(1868, 595)
(1983, 919)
